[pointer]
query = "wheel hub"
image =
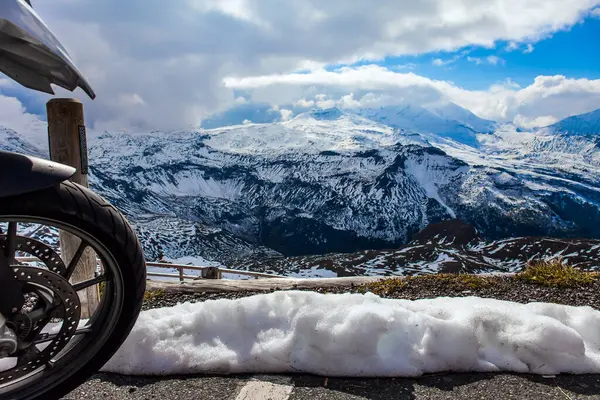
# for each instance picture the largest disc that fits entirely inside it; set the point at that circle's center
(57, 299)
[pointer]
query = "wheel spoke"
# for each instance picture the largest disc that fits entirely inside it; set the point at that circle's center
(90, 282)
(11, 245)
(75, 260)
(50, 337)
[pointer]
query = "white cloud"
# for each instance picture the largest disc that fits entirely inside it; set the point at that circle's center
(174, 58)
(476, 60)
(303, 103)
(14, 116)
(130, 100)
(403, 66)
(323, 101)
(286, 114)
(526, 122)
(492, 59)
(309, 65)
(371, 85)
(438, 62)
(348, 101)
(511, 46)
(595, 12)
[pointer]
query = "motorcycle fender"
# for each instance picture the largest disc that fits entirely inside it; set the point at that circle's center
(21, 174)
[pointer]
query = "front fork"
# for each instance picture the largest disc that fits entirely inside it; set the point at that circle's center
(11, 302)
(11, 290)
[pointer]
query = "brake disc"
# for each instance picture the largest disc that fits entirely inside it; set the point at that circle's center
(38, 249)
(64, 299)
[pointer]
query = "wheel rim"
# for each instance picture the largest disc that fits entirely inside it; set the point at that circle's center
(75, 346)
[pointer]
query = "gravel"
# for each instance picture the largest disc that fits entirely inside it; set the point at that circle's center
(503, 288)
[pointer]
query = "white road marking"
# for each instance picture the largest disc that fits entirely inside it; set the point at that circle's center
(262, 390)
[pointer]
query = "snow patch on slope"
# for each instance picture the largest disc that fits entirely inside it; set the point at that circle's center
(428, 174)
(189, 183)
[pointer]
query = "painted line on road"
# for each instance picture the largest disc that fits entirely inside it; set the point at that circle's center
(262, 390)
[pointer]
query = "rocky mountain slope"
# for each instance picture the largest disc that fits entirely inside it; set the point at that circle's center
(451, 246)
(333, 181)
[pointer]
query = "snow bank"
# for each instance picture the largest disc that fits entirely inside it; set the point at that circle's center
(360, 335)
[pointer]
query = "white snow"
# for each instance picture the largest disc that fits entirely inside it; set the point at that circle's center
(303, 134)
(193, 184)
(428, 174)
(360, 335)
(313, 272)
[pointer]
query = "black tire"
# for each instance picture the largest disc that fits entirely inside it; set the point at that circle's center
(79, 207)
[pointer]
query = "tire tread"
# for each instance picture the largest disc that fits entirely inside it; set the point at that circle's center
(79, 206)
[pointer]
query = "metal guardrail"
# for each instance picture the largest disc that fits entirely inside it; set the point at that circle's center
(206, 272)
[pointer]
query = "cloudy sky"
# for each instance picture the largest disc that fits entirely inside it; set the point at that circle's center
(164, 64)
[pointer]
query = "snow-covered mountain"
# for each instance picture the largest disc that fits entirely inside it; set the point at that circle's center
(447, 121)
(584, 124)
(454, 112)
(335, 181)
(15, 141)
(344, 180)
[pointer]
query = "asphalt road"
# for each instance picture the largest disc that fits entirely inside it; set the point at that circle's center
(305, 387)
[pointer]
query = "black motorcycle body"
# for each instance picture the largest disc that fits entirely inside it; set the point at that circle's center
(48, 344)
(22, 173)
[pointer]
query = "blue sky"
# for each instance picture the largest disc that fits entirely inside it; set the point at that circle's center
(155, 65)
(574, 53)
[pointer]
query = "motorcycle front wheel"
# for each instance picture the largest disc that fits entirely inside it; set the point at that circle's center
(63, 340)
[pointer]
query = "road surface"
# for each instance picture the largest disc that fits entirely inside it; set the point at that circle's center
(303, 387)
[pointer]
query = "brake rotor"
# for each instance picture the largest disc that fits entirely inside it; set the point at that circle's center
(35, 248)
(65, 300)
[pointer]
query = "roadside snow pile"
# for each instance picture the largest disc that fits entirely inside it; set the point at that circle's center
(360, 336)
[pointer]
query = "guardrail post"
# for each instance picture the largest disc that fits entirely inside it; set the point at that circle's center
(211, 273)
(180, 274)
(68, 145)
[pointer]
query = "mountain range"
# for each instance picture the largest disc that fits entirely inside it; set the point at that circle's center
(344, 181)
(447, 247)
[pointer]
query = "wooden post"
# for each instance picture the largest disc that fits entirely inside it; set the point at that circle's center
(180, 274)
(68, 145)
(211, 273)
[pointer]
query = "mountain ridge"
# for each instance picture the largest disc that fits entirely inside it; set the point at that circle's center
(335, 181)
(581, 124)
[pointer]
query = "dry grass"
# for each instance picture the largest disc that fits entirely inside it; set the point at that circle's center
(552, 273)
(555, 273)
(150, 295)
(457, 282)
